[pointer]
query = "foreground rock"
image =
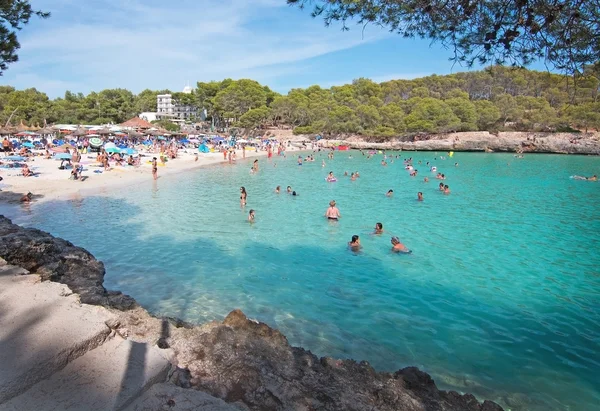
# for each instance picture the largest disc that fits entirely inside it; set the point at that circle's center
(58, 260)
(240, 361)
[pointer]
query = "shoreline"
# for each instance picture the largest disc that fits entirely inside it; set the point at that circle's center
(239, 360)
(54, 184)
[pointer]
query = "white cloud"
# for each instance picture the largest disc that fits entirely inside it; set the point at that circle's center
(97, 44)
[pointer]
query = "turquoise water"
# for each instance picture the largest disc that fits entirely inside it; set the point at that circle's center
(501, 296)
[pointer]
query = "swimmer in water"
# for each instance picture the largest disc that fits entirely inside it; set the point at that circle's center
(323, 163)
(331, 177)
(389, 193)
(288, 190)
(332, 213)
(277, 190)
(299, 160)
(294, 194)
(441, 186)
(446, 190)
(251, 216)
(378, 228)
(27, 198)
(354, 244)
(426, 180)
(243, 196)
(398, 247)
(592, 178)
(419, 196)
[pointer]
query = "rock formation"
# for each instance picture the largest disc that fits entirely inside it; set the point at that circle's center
(564, 143)
(55, 259)
(239, 360)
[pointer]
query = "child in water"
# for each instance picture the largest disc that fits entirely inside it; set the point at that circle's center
(251, 216)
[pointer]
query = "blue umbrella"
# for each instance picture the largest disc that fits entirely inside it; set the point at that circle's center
(63, 156)
(129, 151)
(15, 158)
(28, 145)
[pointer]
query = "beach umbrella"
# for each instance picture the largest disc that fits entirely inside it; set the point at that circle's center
(81, 131)
(28, 145)
(129, 151)
(103, 131)
(110, 145)
(112, 150)
(14, 158)
(135, 134)
(96, 142)
(45, 130)
(161, 137)
(63, 156)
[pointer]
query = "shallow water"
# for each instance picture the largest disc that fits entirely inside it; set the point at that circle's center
(501, 296)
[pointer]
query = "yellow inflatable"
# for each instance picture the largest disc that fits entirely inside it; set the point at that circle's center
(450, 154)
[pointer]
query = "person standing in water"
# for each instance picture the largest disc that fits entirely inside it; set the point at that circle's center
(251, 216)
(154, 168)
(243, 196)
(389, 193)
(419, 196)
(255, 166)
(332, 212)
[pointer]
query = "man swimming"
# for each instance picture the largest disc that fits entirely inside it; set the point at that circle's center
(398, 247)
(419, 196)
(389, 193)
(354, 243)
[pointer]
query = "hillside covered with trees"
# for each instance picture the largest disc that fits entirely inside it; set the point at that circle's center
(498, 98)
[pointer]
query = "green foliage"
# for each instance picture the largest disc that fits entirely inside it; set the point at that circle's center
(432, 115)
(492, 99)
(14, 14)
(239, 97)
(487, 114)
(167, 125)
(254, 118)
(563, 33)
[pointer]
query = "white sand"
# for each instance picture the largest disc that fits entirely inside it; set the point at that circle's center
(52, 183)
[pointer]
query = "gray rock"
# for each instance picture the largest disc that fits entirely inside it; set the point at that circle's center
(238, 360)
(55, 259)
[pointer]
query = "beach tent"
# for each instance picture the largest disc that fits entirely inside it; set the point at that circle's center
(203, 148)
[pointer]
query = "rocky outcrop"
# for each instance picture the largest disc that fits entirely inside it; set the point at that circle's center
(563, 143)
(239, 360)
(55, 259)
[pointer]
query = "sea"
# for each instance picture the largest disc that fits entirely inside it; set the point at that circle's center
(500, 296)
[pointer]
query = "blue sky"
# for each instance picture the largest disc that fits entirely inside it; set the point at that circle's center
(137, 44)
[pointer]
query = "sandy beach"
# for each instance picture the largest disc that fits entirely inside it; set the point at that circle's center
(51, 183)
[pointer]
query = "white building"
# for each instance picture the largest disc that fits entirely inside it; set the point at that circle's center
(167, 107)
(148, 116)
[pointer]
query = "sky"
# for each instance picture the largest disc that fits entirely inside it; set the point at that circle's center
(91, 45)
